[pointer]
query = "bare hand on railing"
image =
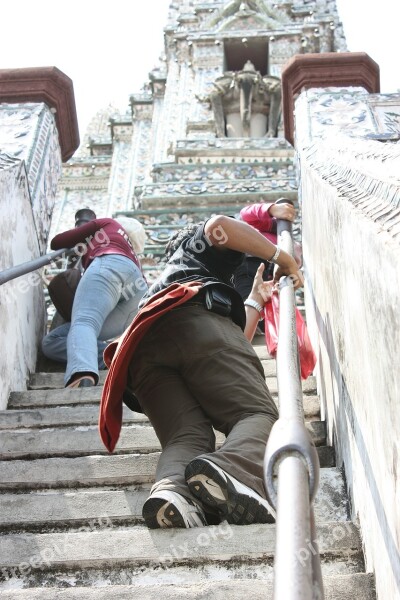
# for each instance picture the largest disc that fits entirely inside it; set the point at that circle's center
(291, 269)
(284, 211)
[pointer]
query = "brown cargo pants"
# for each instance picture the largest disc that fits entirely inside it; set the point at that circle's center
(195, 372)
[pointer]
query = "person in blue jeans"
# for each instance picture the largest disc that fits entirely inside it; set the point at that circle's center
(54, 345)
(107, 297)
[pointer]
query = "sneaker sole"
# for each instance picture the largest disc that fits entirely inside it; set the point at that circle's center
(213, 490)
(159, 513)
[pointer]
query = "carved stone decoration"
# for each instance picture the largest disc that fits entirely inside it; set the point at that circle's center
(239, 14)
(329, 69)
(171, 125)
(55, 89)
(218, 188)
(207, 171)
(28, 132)
(246, 104)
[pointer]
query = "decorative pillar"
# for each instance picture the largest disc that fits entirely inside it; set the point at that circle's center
(38, 130)
(38, 124)
(330, 69)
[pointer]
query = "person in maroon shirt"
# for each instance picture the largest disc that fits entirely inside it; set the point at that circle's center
(106, 299)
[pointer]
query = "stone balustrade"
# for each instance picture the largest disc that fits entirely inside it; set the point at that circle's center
(38, 129)
(348, 152)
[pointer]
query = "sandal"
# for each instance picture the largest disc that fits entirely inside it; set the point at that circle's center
(81, 381)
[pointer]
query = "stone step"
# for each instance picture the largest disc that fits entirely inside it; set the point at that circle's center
(108, 546)
(63, 508)
(43, 380)
(55, 396)
(62, 416)
(269, 367)
(356, 586)
(89, 471)
(50, 381)
(85, 440)
(261, 349)
(56, 380)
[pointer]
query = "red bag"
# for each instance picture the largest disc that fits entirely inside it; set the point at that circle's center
(271, 323)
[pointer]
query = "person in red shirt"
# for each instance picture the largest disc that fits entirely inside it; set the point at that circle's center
(262, 216)
(107, 297)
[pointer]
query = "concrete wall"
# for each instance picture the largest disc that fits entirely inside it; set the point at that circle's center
(22, 309)
(30, 165)
(350, 194)
(28, 132)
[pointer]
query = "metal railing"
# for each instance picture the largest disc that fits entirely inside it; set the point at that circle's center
(32, 265)
(291, 466)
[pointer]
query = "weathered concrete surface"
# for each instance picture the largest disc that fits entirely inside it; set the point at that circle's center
(86, 440)
(56, 395)
(112, 546)
(55, 416)
(29, 172)
(22, 309)
(339, 587)
(50, 381)
(82, 471)
(350, 193)
(261, 349)
(56, 508)
(93, 470)
(56, 380)
(269, 367)
(41, 403)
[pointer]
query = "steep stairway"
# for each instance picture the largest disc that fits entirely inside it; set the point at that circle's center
(70, 513)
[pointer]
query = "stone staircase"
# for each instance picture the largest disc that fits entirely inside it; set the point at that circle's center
(70, 513)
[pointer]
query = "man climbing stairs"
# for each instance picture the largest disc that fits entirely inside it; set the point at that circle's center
(71, 524)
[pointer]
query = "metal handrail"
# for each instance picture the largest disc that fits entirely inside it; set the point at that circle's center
(291, 465)
(32, 265)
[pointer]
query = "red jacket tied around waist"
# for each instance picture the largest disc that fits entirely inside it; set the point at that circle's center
(119, 354)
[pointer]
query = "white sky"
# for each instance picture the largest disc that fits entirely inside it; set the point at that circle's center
(109, 47)
(373, 27)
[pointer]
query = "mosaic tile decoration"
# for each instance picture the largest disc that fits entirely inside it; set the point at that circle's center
(385, 111)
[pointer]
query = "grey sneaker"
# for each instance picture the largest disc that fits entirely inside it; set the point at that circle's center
(236, 502)
(170, 509)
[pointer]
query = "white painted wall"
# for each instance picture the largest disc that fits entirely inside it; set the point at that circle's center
(30, 166)
(22, 309)
(350, 189)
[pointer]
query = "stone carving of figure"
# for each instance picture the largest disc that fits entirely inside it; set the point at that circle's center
(246, 104)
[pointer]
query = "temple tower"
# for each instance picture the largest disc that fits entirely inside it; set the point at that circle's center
(206, 135)
(206, 131)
